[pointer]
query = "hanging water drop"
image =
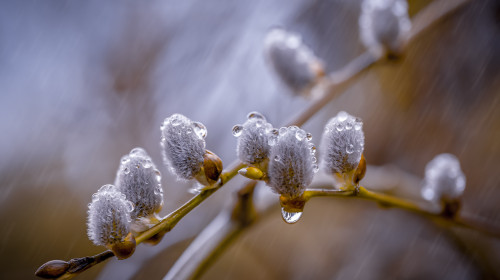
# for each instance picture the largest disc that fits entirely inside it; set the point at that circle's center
(290, 217)
(126, 170)
(348, 126)
(309, 136)
(277, 158)
(199, 129)
(237, 130)
(339, 127)
(282, 130)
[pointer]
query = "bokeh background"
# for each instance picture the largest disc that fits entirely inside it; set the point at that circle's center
(84, 82)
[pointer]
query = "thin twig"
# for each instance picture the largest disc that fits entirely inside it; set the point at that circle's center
(393, 201)
(214, 239)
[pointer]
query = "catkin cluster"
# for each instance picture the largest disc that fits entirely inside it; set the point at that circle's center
(128, 207)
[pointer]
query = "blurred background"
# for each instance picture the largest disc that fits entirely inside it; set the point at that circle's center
(84, 82)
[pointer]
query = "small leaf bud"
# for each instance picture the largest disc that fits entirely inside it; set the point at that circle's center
(251, 173)
(342, 147)
(293, 61)
(140, 181)
(183, 145)
(292, 162)
(52, 269)
(384, 25)
(211, 169)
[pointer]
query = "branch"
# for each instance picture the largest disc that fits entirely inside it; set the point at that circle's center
(386, 200)
(216, 237)
(335, 84)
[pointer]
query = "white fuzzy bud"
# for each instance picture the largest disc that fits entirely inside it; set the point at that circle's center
(253, 139)
(140, 181)
(384, 25)
(342, 144)
(183, 144)
(292, 162)
(293, 61)
(108, 216)
(443, 179)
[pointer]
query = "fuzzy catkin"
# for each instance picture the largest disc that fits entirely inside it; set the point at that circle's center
(108, 216)
(383, 24)
(253, 136)
(292, 162)
(443, 178)
(140, 181)
(183, 145)
(342, 144)
(290, 58)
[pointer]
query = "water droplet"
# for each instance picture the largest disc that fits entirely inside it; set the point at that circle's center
(272, 140)
(282, 130)
(349, 148)
(358, 125)
(125, 160)
(275, 132)
(342, 116)
(300, 134)
(258, 123)
(162, 139)
(237, 130)
(290, 217)
(339, 127)
(126, 170)
(348, 126)
(277, 158)
(268, 127)
(315, 168)
(138, 151)
(129, 205)
(158, 176)
(309, 136)
(107, 188)
(199, 129)
(175, 121)
(313, 149)
(158, 190)
(147, 164)
(255, 115)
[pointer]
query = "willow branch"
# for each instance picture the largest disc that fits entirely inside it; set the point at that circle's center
(216, 237)
(335, 84)
(386, 200)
